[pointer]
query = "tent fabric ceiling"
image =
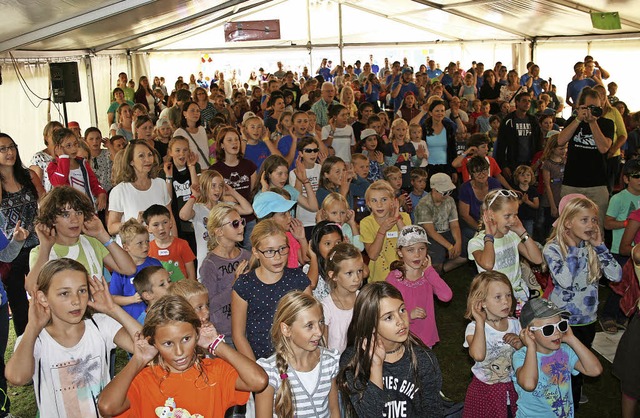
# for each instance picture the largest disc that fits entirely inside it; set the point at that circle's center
(150, 25)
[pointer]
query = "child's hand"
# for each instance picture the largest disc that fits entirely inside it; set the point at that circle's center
(377, 352)
(426, 262)
(192, 158)
(322, 156)
(312, 254)
(208, 334)
(242, 268)
(263, 182)
(471, 151)
(489, 224)
(351, 217)
(526, 336)
(19, 233)
(418, 313)
(455, 250)
(513, 340)
(46, 236)
(195, 190)
(569, 337)
(140, 217)
(517, 227)
(595, 239)
(299, 170)
(58, 151)
(168, 167)
(136, 298)
(378, 156)
(102, 300)
(142, 350)
(421, 152)
(93, 227)
(101, 202)
(297, 229)
(478, 313)
(39, 315)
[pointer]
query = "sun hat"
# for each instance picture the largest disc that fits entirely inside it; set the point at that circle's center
(269, 202)
(441, 182)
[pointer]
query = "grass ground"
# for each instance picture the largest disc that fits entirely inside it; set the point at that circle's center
(603, 391)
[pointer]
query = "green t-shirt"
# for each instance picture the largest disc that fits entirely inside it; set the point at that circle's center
(93, 263)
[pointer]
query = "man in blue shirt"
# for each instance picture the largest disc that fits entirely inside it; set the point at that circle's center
(402, 87)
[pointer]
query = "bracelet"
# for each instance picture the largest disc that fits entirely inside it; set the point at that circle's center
(111, 241)
(525, 238)
(192, 197)
(625, 223)
(212, 347)
(380, 233)
(489, 237)
(522, 235)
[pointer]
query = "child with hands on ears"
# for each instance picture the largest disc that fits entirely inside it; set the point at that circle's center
(335, 176)
(301, 372)
(492, 337)
(577, 258)
(65, 350)
(379, 231)
(501, 240)
(256, 144)
(68, 227)
(552, 355)
(336, 209)
(385, 368)
(179, 379)
(324, 237)
(414, 276)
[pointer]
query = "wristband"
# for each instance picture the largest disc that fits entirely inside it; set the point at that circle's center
(212, 347)
(489, 237)
(525, 238)
(192, 197)
(523, 234)
(106, 244)
(625, 223)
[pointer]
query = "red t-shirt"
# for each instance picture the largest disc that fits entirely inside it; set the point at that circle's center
(208, 395)
(173, 258)
(494, 168)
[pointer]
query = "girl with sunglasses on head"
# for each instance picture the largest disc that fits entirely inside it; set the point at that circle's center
(501, 240)
(225, 258)
(577, 257)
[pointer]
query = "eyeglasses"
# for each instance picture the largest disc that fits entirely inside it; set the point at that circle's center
(633, 175)
(311, 150)
(235, 223)
(445, 194)
(503, 193)
(549, 329)
(282, 251)
(4, 150)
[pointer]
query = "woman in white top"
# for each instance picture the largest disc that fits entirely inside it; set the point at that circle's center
(191, 129)
(41, 159)
(509, 91)
(137, 186)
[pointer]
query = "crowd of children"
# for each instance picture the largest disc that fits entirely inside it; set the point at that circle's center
(258, 257)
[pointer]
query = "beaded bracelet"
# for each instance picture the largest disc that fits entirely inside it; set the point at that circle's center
(215, 344)
(489, 237)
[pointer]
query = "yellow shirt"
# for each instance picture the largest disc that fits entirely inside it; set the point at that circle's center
(619, 129)
(380, 268)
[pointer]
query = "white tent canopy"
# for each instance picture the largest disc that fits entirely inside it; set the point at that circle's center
(169, 38)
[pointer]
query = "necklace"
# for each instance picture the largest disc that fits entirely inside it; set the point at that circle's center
(494, 321)
(394, 351)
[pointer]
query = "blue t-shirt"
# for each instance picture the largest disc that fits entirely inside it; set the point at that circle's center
(262, 300)
(284, 145)
(122, 285)
(257, 153)
(552, 395)
(415, 199)
(397, 102)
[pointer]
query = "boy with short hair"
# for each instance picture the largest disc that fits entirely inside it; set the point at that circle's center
(174, 253)
(418, 186)
(196, 294)
(550, 356)
(393, 175)
(478, 144)
(438, 215)
(135, 241)
(482, 121)
(151, 283)
(359, 185)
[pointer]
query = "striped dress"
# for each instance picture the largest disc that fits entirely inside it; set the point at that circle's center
(313, 404)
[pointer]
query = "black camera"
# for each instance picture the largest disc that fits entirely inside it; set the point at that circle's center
(595, 110)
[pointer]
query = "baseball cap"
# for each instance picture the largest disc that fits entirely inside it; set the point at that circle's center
(441, 182)
(407, 70)
(73, 124)
(549, 111)
(412, 234)
(564, 201)
(269, 202)
(161, 122)
(247, 116)
(409, 93)
(366, 133)
(539, 308)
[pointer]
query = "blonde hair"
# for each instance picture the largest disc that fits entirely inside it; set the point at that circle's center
(568, 213)
(175, 139)
(263, 229)
(217, 216)
(359, 156)
(521, 169)
(188, 288)
(287, 311)
(380, 186)
(497, 198)
(130, 229)
(353, 96)
(480, 287)
(332, 198)
(206, 179)
(395, 123)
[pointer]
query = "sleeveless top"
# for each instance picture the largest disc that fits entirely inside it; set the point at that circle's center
(21, 205)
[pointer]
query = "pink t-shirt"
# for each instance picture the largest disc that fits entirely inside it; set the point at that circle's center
(419, 294)
(635, 215)
(338, 321)
(294, 246)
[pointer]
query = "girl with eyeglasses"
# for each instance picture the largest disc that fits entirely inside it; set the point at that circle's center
(501, 240)
(211, 192)
(577, 258)
(223, 263)
(256, 294)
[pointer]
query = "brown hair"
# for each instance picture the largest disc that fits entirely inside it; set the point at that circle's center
(54, 203)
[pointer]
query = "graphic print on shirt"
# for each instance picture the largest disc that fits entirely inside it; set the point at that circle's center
(182, 190)
(173, 267)
(238, 182)
(205, 234)
(407, 389)
(523, 128)
(584, 141)
(75, 381)
(169, 410)
(553, 383)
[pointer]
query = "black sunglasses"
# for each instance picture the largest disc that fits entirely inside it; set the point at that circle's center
(310, 150)
(634, 175)
(235, 223)
(548, 330)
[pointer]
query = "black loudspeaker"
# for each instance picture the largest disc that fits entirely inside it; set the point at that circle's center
(65, 83)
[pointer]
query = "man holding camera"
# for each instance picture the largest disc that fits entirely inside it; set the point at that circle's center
(589, 137)
(400, 88)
